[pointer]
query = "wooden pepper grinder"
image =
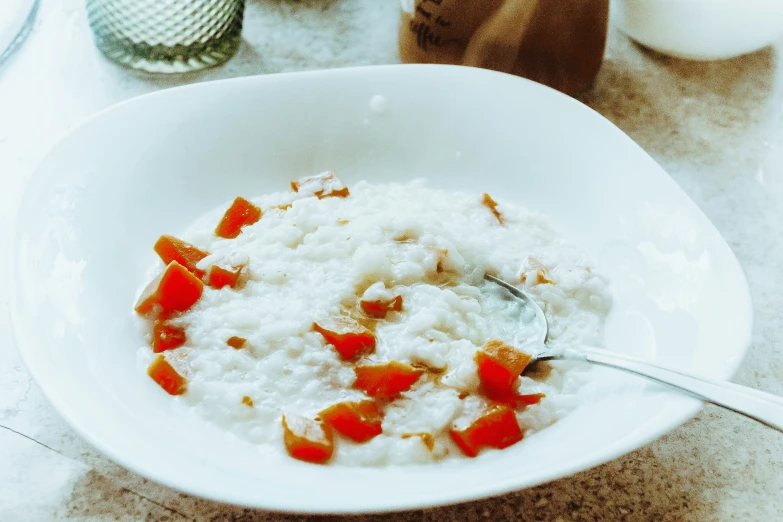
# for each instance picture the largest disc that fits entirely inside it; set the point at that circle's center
(559, 43)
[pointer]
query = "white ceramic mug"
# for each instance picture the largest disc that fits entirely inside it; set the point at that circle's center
(701, 29)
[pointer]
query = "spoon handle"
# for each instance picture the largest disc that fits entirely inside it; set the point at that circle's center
(757, 405)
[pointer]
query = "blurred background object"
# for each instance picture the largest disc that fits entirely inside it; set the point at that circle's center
(169, 36)
(557, 43)
(701, 29)
(16, 20)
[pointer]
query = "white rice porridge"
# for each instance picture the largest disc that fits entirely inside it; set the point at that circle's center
(318, 257)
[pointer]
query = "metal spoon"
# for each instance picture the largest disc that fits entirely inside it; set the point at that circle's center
(757, 405)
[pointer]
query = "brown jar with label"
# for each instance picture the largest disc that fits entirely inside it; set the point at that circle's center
(559, 43)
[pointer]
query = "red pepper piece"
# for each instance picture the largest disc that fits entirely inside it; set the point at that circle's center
(166, 336)
(167, 377)
(175, 290)
(169, 248)
(497, 428)
(386, 381)
(307, 440)
(348, 337)
(359, 421)
(241, 213)
(379, 309)
(220, 277)
(499, 367)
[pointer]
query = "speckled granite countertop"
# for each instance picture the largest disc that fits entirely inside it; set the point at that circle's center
(716, 128)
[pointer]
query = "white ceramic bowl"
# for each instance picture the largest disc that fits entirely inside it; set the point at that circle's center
(701, 29)
(101, 197)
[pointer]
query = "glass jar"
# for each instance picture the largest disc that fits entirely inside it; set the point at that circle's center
(16, 22)
(559, 43)
(167, 35)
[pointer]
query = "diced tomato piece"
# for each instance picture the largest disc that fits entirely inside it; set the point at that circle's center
(348, 337)
(241, 213)
(496, 379)
(385, 381)
(323, 185)
(167, 377)
(307, 440)
(426, 438)
(166, 336)
(497, 428)
(220, 277)
(359, 421)
(492, 205)
(169, 248)
(499, 367)
(379, 309)
(175, 290)
(236, 342)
